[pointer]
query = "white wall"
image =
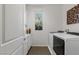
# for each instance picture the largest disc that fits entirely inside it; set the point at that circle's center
(25, 18)
(71, 27)
(52, 21)
(0, 24)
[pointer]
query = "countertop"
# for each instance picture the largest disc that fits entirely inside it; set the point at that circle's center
(66, 36)
(26, 35)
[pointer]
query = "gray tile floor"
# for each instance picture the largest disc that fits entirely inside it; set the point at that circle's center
(39, 51)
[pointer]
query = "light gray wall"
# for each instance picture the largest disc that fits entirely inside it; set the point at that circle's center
(71, 27)
(0, 24)
(52, 21)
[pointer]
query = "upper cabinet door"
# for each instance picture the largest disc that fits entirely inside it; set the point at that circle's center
(14, 18)
(11, 28)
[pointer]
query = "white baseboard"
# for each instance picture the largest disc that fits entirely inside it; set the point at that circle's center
(40, 45)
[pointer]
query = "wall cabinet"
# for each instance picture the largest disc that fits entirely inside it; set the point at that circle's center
(12, 28)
